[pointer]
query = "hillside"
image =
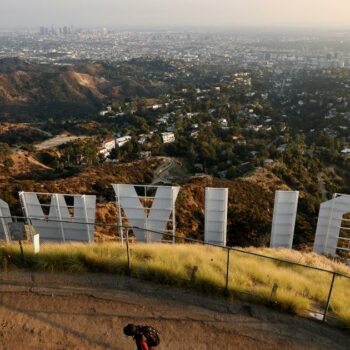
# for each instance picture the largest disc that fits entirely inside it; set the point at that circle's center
(24, 163)
(29, 88)
(21, 133)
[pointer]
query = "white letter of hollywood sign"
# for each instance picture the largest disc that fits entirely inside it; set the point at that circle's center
(284, 216)
(216, 200)
(5, 220)
(329, 224)
(158, 216)
(64, 227)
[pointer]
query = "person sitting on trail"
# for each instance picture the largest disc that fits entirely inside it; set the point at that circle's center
(146, 337)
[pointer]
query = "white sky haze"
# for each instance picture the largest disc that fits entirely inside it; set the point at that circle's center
(302, 13)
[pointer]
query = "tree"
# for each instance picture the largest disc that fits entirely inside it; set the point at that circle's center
(5, 156)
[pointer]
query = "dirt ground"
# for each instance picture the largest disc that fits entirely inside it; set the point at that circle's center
(56, 311)
(57, 141)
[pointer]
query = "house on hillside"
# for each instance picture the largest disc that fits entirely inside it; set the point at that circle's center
(121, 141)
(282, 148)
(223, 122)
(145, 154)
(194, 134)
(346, 151)
(268, 162)
(107, 146)
(168, 137)
(142, 138)
(105, 112)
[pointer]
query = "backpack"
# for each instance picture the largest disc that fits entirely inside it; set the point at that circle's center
(152, 335)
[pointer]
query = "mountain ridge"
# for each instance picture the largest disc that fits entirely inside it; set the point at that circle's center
(30, 88)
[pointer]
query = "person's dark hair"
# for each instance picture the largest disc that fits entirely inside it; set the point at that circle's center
(130, 329)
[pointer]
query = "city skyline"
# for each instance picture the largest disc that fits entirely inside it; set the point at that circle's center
(154, 13)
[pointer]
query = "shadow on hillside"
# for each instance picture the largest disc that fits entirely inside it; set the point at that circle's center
(49, 175)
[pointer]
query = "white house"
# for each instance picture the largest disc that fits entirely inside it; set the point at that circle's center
(168, 137)
(268, 162)
(105, 112)
(223, 122)
(107, 146)
(121, 141)
(194, 134)
(142, 138)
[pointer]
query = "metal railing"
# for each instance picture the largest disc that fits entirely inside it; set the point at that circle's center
(174, 239)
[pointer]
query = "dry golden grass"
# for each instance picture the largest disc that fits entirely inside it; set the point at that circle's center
(291, 288)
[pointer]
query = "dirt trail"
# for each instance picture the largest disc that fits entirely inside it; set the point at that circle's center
(57, 141)
(52, 311)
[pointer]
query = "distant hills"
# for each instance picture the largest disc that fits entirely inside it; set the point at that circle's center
(37, 89)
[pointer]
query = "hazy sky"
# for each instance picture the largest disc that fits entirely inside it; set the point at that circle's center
(308, 13)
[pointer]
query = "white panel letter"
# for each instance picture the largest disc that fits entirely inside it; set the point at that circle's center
(163, 206)
(329, 223)
(5, 220)
(216, 200)
(284, 216)
(65, 227)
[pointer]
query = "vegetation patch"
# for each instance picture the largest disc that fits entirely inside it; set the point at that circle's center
(278, 284)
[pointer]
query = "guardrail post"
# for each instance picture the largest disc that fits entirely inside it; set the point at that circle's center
(227, 270)
(21, 249)
(329, 298)
(128, 252)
